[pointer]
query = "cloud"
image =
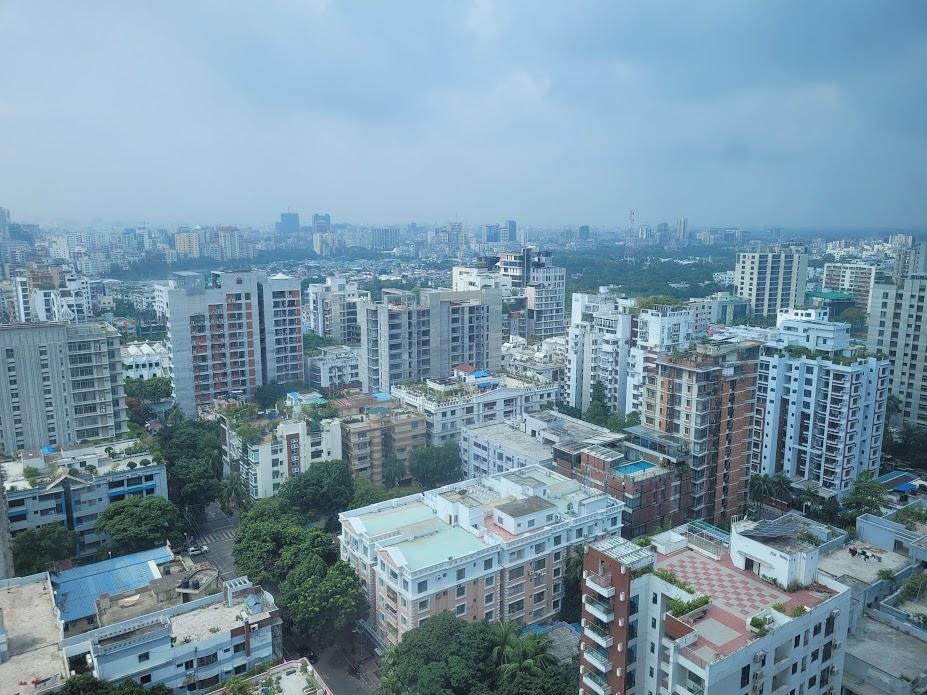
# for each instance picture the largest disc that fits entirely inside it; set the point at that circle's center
(552, 113)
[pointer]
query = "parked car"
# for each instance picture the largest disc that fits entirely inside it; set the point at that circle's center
(198, 549)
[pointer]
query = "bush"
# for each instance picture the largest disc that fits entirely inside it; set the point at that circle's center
(757, 622)
(798, 611)
(778, 607)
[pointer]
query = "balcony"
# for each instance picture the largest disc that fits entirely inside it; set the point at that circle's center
(689, 688)
(600, 583)
(598, 609)
(599, 636)
(596, 684)
(598, 658)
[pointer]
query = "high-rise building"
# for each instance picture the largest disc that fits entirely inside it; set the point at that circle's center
(289, 223)
(322, 224)
(896, 318)
(700, 614)
(598, 348)
(4, 234)
(187, 243)
(509, 231)
(655, 331)
(705, 398)
(230, 332)
(333, 368)
(63, 384)
(330, 309)
(820, 411)
(383, 238)
(493, 548)
(370, 438)
(231, 243)
(544, 287)
(855, 278)
(491, 233)
(772, 279)
(682, 231)
(910, 259)
(404, 337)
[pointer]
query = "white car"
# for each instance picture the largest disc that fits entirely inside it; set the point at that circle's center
(198, 549)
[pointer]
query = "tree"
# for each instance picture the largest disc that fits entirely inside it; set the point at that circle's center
(529, 654)
(366, 493)
(192, 485)
(140, 523)
(394, 470)
(618, 422)
(867, 495)
(806, 499)
(34, 548)
(552, 679)
(571, 606)
(892, 406)
(597, 413)
(157, 388)
(266, 396)
(325, 489)
(444, 656)
(782, 486)
(433, 467)
(762, 486)
(312, 342)
(504, 635)
(233, 494)
(319, 601)
(853, 316)
(88, 684)
(175, 415)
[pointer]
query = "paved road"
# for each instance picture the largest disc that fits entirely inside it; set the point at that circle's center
(218, 532)
(333, 665)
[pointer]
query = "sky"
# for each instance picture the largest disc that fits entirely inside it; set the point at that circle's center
(787, 113)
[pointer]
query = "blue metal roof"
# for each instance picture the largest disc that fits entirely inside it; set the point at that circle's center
(904, 487)
(480, 373)
(79, 588)
(381, 396)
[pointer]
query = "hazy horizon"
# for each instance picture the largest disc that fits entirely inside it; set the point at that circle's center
(796, 115)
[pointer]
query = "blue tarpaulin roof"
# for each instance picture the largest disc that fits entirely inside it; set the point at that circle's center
(484, 384)
(480, 373)
(80, 587)
(904, 487)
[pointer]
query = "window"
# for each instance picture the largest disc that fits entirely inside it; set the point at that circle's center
(538, 548)
(489, 616)
(540, 564)
(539, 597)
(487, 564)
(240, 647)
(461, 574)
(653, 648)
(423, 586)
(424, 604)
(516, 572)
(461, 609)
(490, 597)
(558, 540)
(207, 660)
(461, 591)
(655, 599)
(745, 676)
(145, 679)
(489, 581)
(516, 606)
(144, 656)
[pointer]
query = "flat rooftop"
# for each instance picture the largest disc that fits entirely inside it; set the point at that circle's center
(202, 623)
(514, 440)
(859, 572)
(136, 603)
(736, 596)
(32, 636)
(395, 517)
(889, 650)
(451, 541)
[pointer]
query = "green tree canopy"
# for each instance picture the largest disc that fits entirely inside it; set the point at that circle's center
(156, 388)
(867, 495)
(88, 684)
(34, 548)
(192, 484)
(366, 493)
(319, 601)
(138, 523)
(394, 470)
(433, 467)
(597, 412)
(326, 489)
(266, 396)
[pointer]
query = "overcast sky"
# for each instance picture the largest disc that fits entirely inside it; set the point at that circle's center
(799, 114)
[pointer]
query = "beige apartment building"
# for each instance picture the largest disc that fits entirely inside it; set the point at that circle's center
(369, 438)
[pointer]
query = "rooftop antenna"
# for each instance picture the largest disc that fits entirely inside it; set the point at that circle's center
(629, 241)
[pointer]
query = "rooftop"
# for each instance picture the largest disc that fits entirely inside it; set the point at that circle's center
(528, 505)
(446, 543)
(860, 570)
(27, 613)
(79, 588)
(887, 649)
(513, 440)
(736, 596)
(395, 517)
(202, 623)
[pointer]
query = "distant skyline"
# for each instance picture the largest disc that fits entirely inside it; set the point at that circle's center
(791, 114)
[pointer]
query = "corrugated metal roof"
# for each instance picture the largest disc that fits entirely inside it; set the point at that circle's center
(79, 588)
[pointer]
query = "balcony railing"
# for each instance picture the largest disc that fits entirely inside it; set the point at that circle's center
(601, 583)
(600, 610)
(599, 636)
(596, 683)
(598, 658)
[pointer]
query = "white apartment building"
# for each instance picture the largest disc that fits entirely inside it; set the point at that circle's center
(544, 287)
(656, 331)
(599, 344)
(896, 320)
(330, 309)
(820, 409)
(145, 360)
(63, 384)
(856, 278)
(449, 405)
(772, 279)
(467, 279)
(333, 368)
(408, 338)
(720, 308)
(268, 452)
(544, 361)
(486, 549)
(701, 614)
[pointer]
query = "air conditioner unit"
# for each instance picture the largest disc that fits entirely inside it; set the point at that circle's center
(254, 627)
(835, 613)
(622, 596)
(757, 688)
(769, 619)
(620, 622)
(758, 657)
(834, 670)
(758, 674)
(583, 622)
(618, 672)
(837, 645)
(624, 569)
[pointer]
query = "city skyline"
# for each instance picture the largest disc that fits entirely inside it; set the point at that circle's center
(796, 116)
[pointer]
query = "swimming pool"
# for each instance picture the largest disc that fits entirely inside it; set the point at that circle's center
(635, 467)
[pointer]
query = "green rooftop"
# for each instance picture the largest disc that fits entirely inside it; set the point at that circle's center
(396, 517)
(430, 550)
(830, 295)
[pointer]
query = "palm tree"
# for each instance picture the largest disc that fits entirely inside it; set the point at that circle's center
(574, 565)
(806, 500)
(892, 406)
(761, 487)
(394, 470)
(529, 655)
(504, 636)
(232, 493)
(782, 486)
(175, 415)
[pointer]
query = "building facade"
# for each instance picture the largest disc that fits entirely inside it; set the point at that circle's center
(371, 437)
(63, 384)
(145, 360)
(543, 285)
(772, 279)
(896, 316)
(281, 330)
(855, 278)
(330, 309)
(649, 618)
(333, 368)
(490, 549)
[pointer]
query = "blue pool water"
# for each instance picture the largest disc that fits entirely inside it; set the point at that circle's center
(635, 467)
